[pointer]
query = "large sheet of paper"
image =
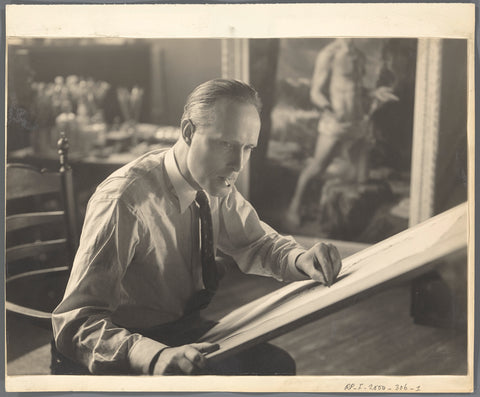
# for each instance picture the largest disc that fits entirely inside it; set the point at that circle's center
(401, 254)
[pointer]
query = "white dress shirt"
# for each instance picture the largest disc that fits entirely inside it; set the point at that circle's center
(138, 262)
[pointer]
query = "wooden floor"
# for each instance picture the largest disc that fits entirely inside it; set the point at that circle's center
(375, 336)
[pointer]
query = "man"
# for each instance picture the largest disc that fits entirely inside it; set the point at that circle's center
(139, 268)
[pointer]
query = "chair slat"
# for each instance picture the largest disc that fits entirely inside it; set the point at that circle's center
(21, 221)
(31, 273)
(27, 311)
(26, 181)
(33, 249)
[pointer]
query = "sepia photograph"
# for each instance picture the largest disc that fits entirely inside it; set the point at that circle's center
(246, 206)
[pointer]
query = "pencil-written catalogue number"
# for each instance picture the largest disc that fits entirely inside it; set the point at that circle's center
(366, 387)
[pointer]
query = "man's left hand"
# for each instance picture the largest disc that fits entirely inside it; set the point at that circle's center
(321, 263)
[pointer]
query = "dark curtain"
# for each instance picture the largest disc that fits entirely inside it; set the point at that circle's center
(263, 72)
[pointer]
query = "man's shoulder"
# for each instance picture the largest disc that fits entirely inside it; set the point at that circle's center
(137, 178)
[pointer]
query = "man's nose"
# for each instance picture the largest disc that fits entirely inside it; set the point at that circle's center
(237, 160)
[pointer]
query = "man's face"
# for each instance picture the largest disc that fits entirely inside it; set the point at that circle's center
(220, 150)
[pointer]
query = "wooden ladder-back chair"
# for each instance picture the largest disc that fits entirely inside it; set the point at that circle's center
(41, 236)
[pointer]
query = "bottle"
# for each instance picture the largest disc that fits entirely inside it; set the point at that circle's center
(83, 123)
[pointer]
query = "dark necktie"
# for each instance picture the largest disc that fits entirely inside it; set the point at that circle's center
(201, 299)
(207, 256)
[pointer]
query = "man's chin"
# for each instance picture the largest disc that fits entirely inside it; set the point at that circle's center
(221, 191)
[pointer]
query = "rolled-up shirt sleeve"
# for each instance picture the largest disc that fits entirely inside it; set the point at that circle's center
(256, 247)
(82, 324)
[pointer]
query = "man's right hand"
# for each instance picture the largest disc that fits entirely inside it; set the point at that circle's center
(184, 360)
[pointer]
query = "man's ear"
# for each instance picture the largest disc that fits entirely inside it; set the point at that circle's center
(188, 129)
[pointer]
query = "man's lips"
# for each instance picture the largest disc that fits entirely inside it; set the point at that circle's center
(228, 181)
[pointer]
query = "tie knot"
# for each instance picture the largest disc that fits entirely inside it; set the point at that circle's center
(201, 198)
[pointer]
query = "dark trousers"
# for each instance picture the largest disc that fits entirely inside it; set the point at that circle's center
(261, 359)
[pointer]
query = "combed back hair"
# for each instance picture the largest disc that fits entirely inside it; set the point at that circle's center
(199, 105)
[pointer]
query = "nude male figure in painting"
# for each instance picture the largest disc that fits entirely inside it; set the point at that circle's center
(337, 89)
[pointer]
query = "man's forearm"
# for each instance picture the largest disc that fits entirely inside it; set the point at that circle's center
(103, 347)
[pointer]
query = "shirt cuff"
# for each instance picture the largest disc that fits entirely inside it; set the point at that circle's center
(142, 353)
(291, 271)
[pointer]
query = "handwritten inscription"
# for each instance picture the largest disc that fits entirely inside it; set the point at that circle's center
(378, 387)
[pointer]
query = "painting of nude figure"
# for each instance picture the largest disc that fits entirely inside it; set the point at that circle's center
(338, 156)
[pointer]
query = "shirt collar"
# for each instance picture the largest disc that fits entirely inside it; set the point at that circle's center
(184, 191)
